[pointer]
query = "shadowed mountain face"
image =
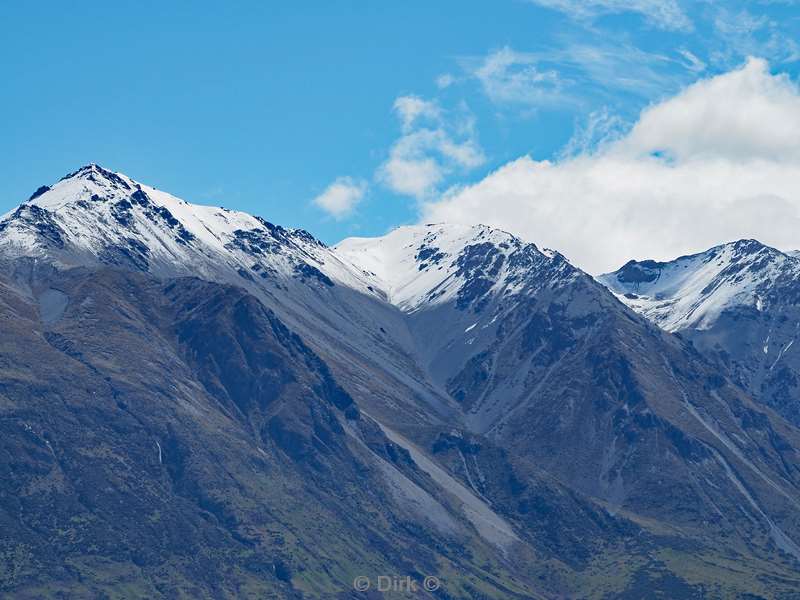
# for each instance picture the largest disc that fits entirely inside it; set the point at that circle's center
(175, 437)
(445, 400)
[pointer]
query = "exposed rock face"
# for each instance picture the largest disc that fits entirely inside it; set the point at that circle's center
(195, 401)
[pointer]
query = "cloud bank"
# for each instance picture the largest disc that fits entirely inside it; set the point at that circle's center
(719, 161)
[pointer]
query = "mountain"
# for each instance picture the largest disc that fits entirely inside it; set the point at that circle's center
(173, 438)
(96, 217)
(198, 402)
(739, 302)
(548, 365)
(457, 287)
(692, 292)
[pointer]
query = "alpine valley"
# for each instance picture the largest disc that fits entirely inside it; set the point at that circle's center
(196, 403)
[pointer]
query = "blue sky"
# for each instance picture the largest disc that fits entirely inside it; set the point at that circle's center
(262, 106)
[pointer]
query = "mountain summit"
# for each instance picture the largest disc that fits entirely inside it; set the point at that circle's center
(423, 265)
(691, 292)
(97, 216)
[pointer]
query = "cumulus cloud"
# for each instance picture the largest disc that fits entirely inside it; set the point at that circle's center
(719, 161)
(341, 197)
(665, 14)
(433, 145)
(743, 115)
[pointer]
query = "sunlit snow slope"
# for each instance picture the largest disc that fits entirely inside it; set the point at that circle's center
(693, 291)
(426, 265)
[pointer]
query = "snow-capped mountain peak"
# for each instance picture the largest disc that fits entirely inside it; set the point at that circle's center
(95, 215)
(692, 291)
(429, 264)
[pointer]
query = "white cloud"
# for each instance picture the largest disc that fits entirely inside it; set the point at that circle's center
(578, 74)
(665, 14)
(743, 115)
(341, 197)
(425, 155)
(719, 161)
(411, 176)
(618, 67)
(412, 108)
(602, 127)
(510, 76)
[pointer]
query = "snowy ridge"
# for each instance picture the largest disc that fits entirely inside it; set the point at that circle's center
(95, 215)
(691, 292)
(426, 265)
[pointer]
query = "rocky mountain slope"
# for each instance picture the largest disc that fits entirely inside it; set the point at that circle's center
(175, 439)
(444, 400)
(739, 302)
